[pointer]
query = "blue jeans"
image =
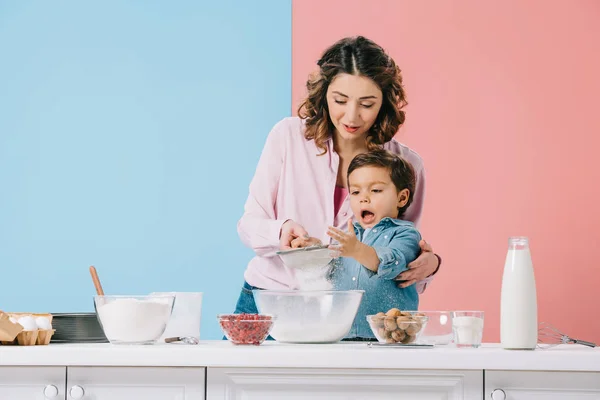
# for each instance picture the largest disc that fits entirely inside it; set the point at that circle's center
(246, 303)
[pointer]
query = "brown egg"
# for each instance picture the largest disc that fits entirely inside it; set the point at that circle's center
(412, 329)
(403, 322)
(394, 312)
(377, 320)
(419, 324)
(398, 335)
(390, 323)
(408, 339)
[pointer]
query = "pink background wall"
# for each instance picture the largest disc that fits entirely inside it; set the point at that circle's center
(505, 110)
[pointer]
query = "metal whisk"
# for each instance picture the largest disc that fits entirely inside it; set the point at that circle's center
(548, 334)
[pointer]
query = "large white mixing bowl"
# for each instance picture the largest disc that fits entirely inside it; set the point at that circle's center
(320, 316)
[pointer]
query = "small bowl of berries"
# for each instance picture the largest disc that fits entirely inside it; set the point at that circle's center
(250, 329)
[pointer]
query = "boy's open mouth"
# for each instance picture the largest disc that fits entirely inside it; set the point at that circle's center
(367, 216)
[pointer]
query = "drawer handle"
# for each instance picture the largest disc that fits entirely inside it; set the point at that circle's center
(498, 394)
(50, 391)
(76, 392)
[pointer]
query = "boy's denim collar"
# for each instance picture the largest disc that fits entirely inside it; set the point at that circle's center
(384, 223)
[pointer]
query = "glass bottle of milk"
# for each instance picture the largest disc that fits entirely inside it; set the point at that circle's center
(518, 308)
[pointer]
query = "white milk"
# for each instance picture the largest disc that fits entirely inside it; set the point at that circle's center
(518, 308)
(468, 330)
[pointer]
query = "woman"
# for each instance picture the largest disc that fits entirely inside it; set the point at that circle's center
(354, 104)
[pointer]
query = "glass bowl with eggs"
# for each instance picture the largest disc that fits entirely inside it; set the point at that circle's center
(397, 327)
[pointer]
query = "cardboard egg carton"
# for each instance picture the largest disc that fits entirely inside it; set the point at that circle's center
(14, 334)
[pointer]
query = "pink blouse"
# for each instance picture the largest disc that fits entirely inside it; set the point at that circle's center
(339, 196)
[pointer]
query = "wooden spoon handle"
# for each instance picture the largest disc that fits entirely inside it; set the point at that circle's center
(96, 281)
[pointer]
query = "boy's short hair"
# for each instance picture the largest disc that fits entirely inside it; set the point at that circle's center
(401, 171)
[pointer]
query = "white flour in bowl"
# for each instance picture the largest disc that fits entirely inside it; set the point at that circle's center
(133, 320)
(324, 333)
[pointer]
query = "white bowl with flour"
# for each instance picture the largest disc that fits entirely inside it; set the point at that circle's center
(134, 319)
(312, 316)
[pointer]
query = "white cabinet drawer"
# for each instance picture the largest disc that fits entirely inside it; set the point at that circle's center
(530, 385)
(32, 383)
(127, 383)
(337, 384)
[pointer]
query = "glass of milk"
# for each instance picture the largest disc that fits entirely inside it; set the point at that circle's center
(468, 328)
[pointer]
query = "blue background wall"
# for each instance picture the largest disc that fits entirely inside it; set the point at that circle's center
(129, 132)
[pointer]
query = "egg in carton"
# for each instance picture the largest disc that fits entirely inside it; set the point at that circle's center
(37, 328)
(8, 329)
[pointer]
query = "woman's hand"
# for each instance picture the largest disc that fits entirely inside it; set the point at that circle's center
(425, 265)
(291, 230)
(305, 242)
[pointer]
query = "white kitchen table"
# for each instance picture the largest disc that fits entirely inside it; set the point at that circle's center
(218, 370)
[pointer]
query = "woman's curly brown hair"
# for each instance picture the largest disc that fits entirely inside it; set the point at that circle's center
(355, 56)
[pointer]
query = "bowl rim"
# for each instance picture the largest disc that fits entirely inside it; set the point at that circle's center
(301, 292)
(309, 249)
(424, 317)
(469, 311)
(429, 311)
(224, 317)
(124, 296)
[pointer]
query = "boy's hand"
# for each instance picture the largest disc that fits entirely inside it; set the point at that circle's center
(349, 245)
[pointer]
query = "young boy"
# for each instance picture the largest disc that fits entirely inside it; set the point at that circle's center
(379, 245)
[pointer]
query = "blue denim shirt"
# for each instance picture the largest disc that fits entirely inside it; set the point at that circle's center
(397, 244)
